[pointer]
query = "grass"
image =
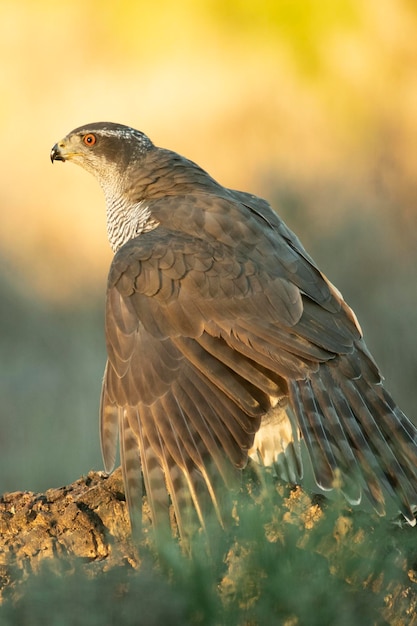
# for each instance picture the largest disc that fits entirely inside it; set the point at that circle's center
(288, 560)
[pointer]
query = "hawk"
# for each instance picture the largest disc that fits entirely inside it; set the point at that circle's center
(225, 342)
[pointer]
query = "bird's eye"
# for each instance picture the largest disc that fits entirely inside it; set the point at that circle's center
(89, 139)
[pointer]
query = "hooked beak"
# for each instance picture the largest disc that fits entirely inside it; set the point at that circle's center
(56, 154)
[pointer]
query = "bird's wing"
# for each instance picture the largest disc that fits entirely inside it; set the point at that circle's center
(203, 337)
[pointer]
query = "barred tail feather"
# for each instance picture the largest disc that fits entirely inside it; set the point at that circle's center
(352, 425)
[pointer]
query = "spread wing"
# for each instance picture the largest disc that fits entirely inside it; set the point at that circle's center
(205, 336)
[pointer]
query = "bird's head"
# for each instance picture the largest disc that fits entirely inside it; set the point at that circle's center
(102, 148)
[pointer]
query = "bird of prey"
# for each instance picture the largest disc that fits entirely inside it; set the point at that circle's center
(225, 342)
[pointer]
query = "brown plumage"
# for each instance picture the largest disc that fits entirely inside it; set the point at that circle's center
(225, 340)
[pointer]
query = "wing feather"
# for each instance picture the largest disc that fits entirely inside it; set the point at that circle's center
(207, 330)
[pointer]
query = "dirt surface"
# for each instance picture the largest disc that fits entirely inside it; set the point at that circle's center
(87, 523)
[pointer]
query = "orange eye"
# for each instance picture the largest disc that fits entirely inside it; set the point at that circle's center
(89, 139)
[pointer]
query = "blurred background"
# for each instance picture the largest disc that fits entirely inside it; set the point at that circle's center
(309, 103)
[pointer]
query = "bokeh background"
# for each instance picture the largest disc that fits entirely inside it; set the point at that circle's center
(309, 103)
